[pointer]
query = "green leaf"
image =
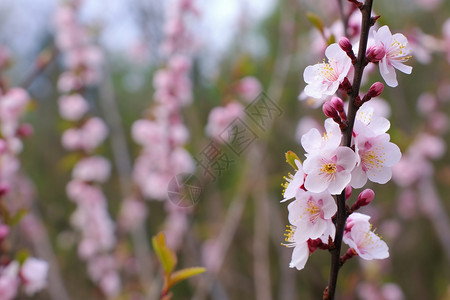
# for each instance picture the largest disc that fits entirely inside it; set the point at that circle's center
(183, 274)
(17, 217)
(165, 255)
(331, 39)
(291, 157)
(316, 21)
(22, 255)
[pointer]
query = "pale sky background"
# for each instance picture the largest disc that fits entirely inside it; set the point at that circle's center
(24, 24)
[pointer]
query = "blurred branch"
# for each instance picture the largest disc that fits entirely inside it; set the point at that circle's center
(435, 211)
(43, 60)
(44, 250)
(261, 265)
(124, 166)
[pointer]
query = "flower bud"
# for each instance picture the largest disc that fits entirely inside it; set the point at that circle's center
(375, 53)
(329, 110)
(348, 192)
(25, 130)
(345, 44)
(337, 103)
(375, 90)
(364, 198)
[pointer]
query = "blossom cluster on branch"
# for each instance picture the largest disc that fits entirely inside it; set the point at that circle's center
(338, 160)
(83, 61)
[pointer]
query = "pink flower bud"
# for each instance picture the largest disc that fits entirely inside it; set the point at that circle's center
(337, 103)
(329, 110)
(4, 231)
(375, 90)
(4, 190)
(345, 44)
(364, 198)
(24, 130)
(375, 53)
(348, 192)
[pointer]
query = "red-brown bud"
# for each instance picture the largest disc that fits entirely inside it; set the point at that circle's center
(364, 198)
(375, 90)
(375, 53)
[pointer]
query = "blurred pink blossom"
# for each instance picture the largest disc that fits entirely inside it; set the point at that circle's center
(221, 117)
(34, 274)
(249, 88)
(93, 168)
(72, 107)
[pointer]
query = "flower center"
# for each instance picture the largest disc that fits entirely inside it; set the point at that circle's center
(329, 168)
(397, 52)
(371, 160)
(327, 71)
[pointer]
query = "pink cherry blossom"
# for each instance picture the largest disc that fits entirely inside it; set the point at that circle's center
(358, 235)
(313, 141)
(301, 253)
(93, 168)
(312, 213)
(294, 182)
(397, 52)
(221, 117)
(376, 157)
(324, 79)
(72, 107)
(249, 88)
(9, 281)
(329, 170)
(34, 273)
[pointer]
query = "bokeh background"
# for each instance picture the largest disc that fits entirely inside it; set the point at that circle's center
(237, 223)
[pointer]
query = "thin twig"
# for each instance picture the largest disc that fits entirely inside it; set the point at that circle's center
(341, 216)
(42, 61)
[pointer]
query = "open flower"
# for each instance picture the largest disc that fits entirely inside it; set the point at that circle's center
(330, 169)
(324, 79)
(376, 157)
(294, 182)
(312, 141)
(312, 213)
(358, 235)
(294, 240)
(397, 52)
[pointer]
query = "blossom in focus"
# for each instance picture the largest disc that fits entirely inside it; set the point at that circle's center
(324, 79)
(301, 250)
(313, 141)
(366, 243)
(311, 213)
(376, 157)
(330, 169)
(34, 273)
(294, 182)
(397, 52)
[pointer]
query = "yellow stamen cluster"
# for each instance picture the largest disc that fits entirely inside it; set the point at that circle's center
(289, 236)
(372, 160)
(329, 168)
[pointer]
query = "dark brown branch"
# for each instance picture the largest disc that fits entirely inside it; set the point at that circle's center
(342, 214)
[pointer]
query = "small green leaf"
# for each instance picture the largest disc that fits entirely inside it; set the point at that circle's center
(17, 217)
(331, 39)
(291, 157)
(183, 274)
(165, 255)
(316, 21)
(22, 255)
